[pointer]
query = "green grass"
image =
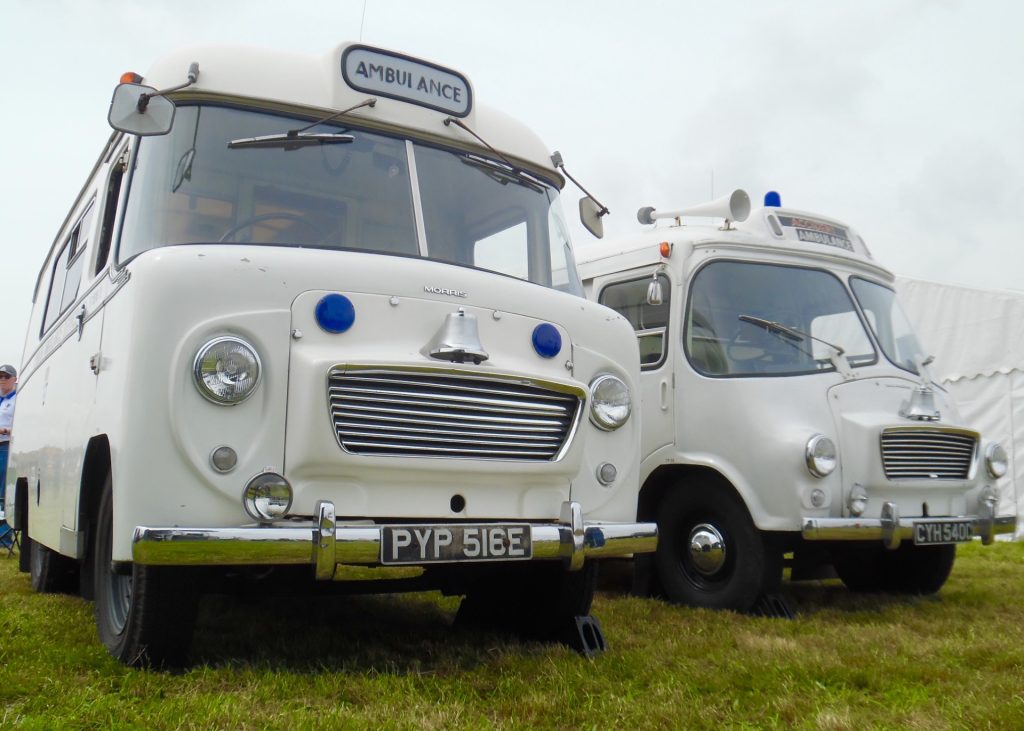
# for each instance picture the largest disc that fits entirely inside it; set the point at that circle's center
(955, 661)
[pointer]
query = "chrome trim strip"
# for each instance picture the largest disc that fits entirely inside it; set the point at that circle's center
(359, 545)
(417, 204)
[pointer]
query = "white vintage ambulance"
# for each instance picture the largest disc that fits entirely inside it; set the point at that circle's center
(787, 407)
(320, 316)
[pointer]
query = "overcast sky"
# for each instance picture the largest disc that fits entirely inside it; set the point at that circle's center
(905, 118)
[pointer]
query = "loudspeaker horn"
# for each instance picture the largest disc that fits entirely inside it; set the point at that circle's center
(732, 207)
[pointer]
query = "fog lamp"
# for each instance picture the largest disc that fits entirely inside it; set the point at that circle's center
(996, 460)
(223, 459)
(858, 501)
(268, 496)
(606, 473)
(820, 455)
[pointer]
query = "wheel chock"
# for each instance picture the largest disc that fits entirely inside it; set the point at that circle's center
(584, 635)
(773, 606)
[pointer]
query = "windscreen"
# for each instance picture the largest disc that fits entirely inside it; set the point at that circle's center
(748, 319)
(349, 190)
(889, 323)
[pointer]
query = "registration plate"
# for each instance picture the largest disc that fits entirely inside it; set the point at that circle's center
(928, 533)
(418, 544)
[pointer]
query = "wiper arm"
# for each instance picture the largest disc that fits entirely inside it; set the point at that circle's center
(295, 139)
(793, 335)
(777, 328)
(291, 140)
(502, 173)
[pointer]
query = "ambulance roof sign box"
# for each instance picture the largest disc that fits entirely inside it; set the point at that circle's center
(407, 79)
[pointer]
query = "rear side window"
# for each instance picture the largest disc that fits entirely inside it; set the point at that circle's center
(67, 270)
(650, 322)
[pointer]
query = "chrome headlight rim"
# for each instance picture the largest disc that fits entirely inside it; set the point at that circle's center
(602, 419)
(821, 455)
(267, 497)
(997, 462)
(197, 370)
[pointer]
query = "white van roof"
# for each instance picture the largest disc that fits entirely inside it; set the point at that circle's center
(788, 231)
(278, 79)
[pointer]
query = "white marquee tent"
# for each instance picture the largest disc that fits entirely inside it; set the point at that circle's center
(977, 338)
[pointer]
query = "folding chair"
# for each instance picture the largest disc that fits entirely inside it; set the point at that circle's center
(9, 538)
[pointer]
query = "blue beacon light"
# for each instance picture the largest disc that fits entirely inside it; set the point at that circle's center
(772, 199)
(546, 340)
(335, 313)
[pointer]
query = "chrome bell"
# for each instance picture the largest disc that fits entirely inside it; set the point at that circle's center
(458, 340)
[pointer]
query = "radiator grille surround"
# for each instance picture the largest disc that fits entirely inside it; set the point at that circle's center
(427, 413)
(910, 453)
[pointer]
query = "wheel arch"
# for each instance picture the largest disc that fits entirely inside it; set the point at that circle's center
(95, 468)
(682, 477)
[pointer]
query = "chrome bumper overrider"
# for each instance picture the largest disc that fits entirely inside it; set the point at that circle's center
(329, 544)
(890, 529)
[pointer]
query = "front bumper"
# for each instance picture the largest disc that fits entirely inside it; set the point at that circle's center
(890, 529)
(330, 546)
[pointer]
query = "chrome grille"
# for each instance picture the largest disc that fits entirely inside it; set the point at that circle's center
(911, 454)
(416, 414)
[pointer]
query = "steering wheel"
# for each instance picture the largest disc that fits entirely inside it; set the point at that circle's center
(321, 234)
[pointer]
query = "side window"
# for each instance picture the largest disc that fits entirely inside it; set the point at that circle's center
(67, 270)
(109, 211)
(629, 299)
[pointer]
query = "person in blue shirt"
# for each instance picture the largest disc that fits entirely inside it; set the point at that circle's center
(8, 393)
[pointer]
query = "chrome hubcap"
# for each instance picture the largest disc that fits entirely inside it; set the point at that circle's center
(707, 549)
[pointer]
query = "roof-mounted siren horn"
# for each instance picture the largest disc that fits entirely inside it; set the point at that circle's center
(732, 207)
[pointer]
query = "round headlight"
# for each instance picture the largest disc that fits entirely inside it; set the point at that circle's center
(821, 455)
(610, 403)
(227, 370)
(996, 460)
(268, 496)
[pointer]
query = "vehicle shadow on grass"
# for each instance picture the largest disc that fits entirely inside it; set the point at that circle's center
(396, 634)
(803, 598)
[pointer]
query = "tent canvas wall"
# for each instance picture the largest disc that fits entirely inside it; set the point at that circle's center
(977, 338)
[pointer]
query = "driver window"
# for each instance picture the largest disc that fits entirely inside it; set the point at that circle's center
(629, 299)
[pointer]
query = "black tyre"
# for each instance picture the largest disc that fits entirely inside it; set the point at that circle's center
(860, 568)
(144, 617)
(909, 569)
(51, 572)
(710, 554)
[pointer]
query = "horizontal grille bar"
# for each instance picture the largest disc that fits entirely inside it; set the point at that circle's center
(449, 415)
(927, 454)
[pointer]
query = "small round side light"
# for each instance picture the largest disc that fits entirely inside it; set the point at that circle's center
(606, 473)
(223, 459)
(665, 249)
(130, 77)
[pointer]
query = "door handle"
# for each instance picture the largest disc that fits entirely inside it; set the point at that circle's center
(664, 394)
(81, 321)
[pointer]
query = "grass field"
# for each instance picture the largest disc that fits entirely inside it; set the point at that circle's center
(955, 661)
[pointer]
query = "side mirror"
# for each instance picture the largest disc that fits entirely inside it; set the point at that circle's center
(654, 294)
(590, 216)
(139, 110)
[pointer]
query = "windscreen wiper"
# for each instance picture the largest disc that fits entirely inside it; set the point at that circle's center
(291, 140)
(788, 332)
(295, 139)
(791, 335)
(502, 173)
